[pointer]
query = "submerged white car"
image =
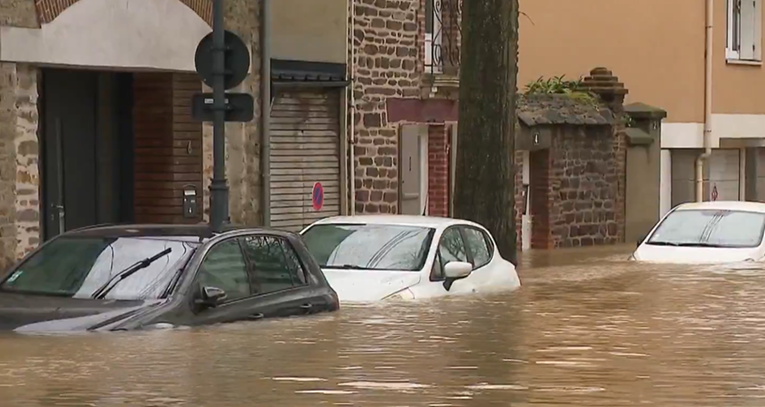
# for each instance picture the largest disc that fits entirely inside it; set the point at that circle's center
(375, 257)
(707, 233)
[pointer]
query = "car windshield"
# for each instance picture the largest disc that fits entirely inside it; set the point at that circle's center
(77, 266)
(710, 228)
(369, 247)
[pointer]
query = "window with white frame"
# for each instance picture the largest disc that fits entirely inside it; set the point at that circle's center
(432, 33)
(744, 30)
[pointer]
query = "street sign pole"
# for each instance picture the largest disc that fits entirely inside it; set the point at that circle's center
(218, 186)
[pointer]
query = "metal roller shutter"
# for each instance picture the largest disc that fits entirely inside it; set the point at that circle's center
(305, 149)
(724, 175)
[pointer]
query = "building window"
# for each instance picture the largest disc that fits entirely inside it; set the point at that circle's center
(433, 34)
(744, 30)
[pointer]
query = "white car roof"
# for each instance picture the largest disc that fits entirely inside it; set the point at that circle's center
(724, 205)
(400, 220)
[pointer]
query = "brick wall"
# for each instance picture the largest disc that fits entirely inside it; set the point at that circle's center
(387, 50)
(168, 146)
(439, 161)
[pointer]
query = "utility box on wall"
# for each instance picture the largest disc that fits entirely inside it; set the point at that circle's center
(643, 174)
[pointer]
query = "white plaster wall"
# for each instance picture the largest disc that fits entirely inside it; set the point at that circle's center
(665, 183)
(526, 229)
(133, 34)
(725, 126)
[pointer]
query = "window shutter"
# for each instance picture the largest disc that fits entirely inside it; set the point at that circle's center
(748, 29)
(757, 40)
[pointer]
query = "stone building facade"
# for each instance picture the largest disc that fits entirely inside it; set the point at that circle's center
(396, 85)
(386, 66)
(171, 148)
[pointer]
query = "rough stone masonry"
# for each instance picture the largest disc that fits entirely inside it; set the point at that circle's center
(385, 37)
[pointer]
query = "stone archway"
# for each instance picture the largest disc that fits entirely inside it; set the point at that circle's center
(48, 10)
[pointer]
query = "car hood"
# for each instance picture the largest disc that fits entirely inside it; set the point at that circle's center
(36, 313)
(693, 255)
(369, 285)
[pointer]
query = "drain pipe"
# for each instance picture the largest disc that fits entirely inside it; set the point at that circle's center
(265, 109)
(352, 109)
(707, 103)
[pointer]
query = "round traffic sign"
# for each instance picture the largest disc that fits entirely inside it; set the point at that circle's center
(317, 196)
(237, 60)
(714, 193)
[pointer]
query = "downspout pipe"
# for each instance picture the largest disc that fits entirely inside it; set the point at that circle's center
(352, 111)
(704, 157)
(265, 109)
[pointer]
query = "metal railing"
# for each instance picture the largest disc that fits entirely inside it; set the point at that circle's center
(442, 35)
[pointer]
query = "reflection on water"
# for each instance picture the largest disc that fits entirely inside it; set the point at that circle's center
(587, 329)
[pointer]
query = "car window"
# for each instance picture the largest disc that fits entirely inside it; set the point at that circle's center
(452, 247)
(705, 227)
(274, 262)
(224, 267)
(369, 246)
(76, 266)
(477, 244)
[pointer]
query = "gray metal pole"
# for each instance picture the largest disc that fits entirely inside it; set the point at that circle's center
(265, 112)
(218, 186)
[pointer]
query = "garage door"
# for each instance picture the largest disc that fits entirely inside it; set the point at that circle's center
(724, 175)
(305, 150)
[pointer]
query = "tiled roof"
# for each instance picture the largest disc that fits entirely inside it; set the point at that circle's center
(534, 110)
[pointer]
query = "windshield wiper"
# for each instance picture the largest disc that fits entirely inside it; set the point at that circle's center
(660, 243)
(139, 265)
(699, 245)
(348, 267)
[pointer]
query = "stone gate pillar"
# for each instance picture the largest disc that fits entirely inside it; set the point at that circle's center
(605, 85)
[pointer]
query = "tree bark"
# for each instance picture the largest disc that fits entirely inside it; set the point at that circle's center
(485, 171)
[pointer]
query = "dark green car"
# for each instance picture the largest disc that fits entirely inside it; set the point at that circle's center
(145, 276)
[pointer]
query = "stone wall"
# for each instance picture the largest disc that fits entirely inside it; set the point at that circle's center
(387, 65)
(18, 13)
(585, 187)
(242, 139)
(19, 153)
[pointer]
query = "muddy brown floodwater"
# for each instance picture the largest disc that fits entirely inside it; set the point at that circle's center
(586, 329)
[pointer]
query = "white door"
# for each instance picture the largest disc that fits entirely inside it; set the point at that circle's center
(724, 171)
(526, 215)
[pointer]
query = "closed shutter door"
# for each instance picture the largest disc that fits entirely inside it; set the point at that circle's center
(724, 175)
(305, 149)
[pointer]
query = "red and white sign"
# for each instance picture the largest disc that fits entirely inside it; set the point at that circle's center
(317, 196)
(714, 192)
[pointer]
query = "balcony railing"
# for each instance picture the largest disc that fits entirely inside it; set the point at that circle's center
(442, 36)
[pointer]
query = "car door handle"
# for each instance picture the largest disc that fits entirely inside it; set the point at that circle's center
(306, 306)
(256, 316)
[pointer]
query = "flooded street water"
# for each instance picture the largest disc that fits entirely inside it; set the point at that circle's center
(586, 329)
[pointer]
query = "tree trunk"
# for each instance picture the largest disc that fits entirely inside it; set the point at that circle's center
(485, 172)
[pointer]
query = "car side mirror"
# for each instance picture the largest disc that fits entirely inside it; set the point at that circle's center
(210, 297)
(456, 270)
(640, 241)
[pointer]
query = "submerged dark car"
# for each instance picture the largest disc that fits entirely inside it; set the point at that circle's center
(112, 278)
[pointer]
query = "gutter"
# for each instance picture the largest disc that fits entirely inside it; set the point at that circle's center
(704, 157)
(265, 110)
(352, 109)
